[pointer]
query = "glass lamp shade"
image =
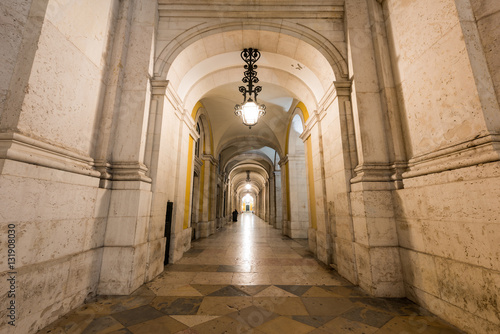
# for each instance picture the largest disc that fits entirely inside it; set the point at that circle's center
(250, 112)
(248, 186)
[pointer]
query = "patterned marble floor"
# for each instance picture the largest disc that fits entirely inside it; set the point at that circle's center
(248, 278)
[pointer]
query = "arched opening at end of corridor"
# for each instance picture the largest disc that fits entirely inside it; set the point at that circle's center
(247, 203)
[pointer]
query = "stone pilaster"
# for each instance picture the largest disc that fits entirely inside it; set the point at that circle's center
(378, 263)
(126, 244)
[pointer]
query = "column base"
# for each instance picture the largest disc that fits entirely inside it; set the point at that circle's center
(379, 271)
(123, 269)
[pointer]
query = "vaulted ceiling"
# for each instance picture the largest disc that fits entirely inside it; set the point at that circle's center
(209, 70)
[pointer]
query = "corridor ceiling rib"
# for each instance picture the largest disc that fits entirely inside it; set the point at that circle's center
(232, 62)
(284, 55)
(295, 87)
(250, 157)
(267, 37)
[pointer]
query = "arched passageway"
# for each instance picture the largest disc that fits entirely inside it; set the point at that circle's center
(118, 133)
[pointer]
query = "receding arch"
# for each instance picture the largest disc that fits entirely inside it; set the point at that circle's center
(300, 111)
(318, 42)
(255, 141)
(297, 224)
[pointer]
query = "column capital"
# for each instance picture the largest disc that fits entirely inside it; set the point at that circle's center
(343, 88)
(129, 171)
(310, 123)
(210, 158)
(283, 161)
(158, 86)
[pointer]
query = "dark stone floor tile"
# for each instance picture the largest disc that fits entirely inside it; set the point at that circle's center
(68, 323)
(253, 316)
(177, 305)
(192, 268)
(121, 331)
(194, 252)
(368, 317)
(222, 325)
(297, 290)
(418, 324)
(229, 291)
(395, 306)
(143, 291)
(313, 321)
(319, 306)
(188, 331)
(346, 291)
(113, 304)
(137, 315)
(161, 325)
(252, 289)
(235, 269)
(107, 323)
(305, 253)
(206, 289)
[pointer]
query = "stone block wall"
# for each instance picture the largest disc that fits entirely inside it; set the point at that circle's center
(449, 231)
(60, 220)
(486, 14)
(51, 89)
(447, 214)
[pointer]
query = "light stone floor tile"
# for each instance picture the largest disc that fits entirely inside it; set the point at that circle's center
(162, 325)
(319, 292)
(183, 290)
(213, 278)
(193, 320)
(285, 278)
(274, 291)
(342, 325)
(415, 325)
(285, 325)
(250, 279)
(174, 278)
(223, 305)
(281, 305)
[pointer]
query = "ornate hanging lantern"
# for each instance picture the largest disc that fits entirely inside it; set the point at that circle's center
(250, 111)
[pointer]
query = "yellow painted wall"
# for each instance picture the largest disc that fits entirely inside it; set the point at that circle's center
(310, 179)
(189, 176)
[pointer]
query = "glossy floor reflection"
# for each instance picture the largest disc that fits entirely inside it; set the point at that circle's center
(248, 278)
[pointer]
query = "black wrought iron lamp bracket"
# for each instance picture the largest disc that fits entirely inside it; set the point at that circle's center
(250, 57)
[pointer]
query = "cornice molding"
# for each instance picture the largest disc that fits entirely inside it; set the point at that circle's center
(476, 151)
(18, 147)
(270, 10)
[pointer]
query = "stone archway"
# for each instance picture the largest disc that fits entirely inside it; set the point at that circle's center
(298, 224)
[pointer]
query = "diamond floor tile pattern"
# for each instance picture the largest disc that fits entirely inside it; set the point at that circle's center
(247, 278)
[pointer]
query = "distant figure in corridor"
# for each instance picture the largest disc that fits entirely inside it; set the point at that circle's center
(235, 215)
